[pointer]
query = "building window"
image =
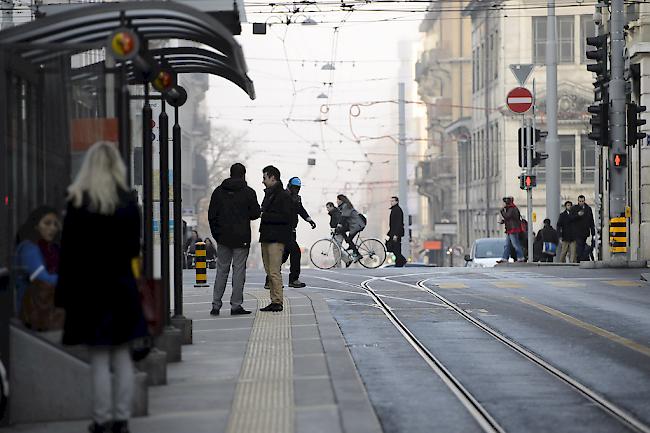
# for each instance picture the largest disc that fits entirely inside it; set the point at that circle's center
(565, 41)
(495, 56)
(473, 71)
(497, 143)
(587, 29)
(567, 158)
(539, 40)
(588, 157)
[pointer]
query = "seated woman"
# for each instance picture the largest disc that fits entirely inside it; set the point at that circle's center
(37, 260)
(350, 224)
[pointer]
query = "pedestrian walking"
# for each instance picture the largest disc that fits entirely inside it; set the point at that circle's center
(511, 218)
(548, 239)
(292, 250)
(334, 213)
(37, 260)
(233, 206)
(190, 249)
(275, 232)
(585, 228)
(396, 231)
(335, 219)
(566, 228)
(98, 291)
(350, 224)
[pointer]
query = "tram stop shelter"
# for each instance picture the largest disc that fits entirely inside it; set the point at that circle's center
(60, 91)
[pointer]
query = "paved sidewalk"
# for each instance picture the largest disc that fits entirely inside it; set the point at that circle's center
(286, 372)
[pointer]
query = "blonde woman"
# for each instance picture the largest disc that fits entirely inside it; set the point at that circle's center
(96, 286)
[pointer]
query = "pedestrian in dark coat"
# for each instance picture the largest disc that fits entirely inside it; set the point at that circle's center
(584, 228)
(334, 213)
(275, 232)
(547, 234)
(292, 250)
(233, 206)
(566, 228)
(98, 290)
(396, 230)
(511, 218)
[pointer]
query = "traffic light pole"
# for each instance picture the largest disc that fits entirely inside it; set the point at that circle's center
(552, 141)
(617, 175)
(529, 191)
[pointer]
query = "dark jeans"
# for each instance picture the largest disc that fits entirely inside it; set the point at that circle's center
(400, 260)
(349, 238)
(583, 251)
(292, 251)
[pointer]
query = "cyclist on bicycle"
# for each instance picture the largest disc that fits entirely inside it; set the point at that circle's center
(350, 224)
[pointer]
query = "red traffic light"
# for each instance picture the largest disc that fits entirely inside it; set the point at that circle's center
(620, 160)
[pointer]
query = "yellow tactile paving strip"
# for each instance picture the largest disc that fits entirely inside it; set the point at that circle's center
(264, 397)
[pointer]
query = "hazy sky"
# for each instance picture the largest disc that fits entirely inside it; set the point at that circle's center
(281, 124)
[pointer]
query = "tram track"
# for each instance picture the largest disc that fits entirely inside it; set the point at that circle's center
(473, 406)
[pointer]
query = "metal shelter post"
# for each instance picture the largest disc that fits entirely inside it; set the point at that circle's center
(178, 218)
(163, 135)
(147, 184)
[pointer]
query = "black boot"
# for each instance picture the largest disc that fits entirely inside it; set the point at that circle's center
(100, 428)
(272, 307)
(120, 427)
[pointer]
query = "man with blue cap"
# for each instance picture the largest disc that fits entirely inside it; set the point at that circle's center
(292, 250)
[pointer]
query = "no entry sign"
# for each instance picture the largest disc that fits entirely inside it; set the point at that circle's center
(519, 100)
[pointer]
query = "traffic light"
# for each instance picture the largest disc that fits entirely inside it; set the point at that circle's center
(633, 123)
(599, 123)
(599, 55)
(619, 160)
(527, 181)
(600, 112)
(523, 154)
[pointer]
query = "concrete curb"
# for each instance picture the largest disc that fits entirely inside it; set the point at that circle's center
(356, 411)
(615, 264)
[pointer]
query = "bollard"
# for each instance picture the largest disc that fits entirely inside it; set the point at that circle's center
(618, 235)
(200, 266)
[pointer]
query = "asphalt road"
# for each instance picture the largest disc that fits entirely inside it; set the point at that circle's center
(591, 325)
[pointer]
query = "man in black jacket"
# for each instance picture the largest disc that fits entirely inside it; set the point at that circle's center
(396, 231)
(292, 250)
(567, 230)
(233, 206)
(584, 227)
(275, 232)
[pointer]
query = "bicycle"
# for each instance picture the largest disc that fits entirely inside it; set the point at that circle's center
(326, 253)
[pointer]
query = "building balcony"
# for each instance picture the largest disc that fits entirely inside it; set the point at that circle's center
(438, 171)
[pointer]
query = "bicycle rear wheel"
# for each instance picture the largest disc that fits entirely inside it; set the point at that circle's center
(373, 253)
(325, 254)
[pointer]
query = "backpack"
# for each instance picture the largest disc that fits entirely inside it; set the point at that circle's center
(364, 219)
(524, 225)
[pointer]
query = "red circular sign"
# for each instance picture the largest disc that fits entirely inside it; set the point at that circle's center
(519, 100)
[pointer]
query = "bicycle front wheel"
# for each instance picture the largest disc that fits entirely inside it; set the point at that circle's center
(373, 253)
(325, 254)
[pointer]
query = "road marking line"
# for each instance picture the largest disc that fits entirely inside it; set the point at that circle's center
(630, 344)
(566, 283)
(508, 285)
(452, 285)
(623, 283)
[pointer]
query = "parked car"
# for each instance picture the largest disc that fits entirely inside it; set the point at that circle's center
(485, 252)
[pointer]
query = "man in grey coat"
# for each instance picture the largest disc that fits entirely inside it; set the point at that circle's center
(233, 206)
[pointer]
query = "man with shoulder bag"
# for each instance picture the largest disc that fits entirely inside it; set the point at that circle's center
(549, 239)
